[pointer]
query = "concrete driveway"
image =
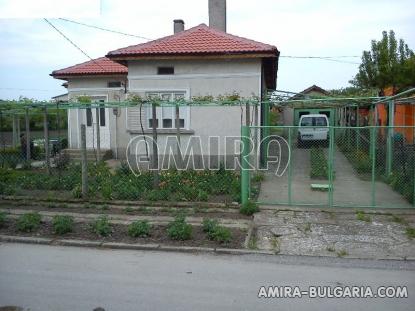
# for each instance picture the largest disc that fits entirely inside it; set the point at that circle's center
(349, 189)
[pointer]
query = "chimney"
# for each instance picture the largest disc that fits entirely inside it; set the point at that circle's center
(217, 14)
(178, 25)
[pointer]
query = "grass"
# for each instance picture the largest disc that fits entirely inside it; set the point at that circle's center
(360, 215)
(2, 219)
(275, 244)
(399, 220)
(307, 227)
(330, 248)
(342, 253)
(410, 232)
(252, 244)
(128, 210)
(249, 208)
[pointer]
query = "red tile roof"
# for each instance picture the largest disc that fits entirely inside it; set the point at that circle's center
(199, 40)
(99, 66)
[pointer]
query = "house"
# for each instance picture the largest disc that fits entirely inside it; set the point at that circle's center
(292, 114)
(200, 61)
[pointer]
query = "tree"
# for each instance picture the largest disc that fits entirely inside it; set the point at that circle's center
(388, 63)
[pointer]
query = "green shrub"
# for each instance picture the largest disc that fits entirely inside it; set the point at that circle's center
(209, 225)
(2, 219)
(28, 222)
(216, 232)
(178, 229)
(7, 189)
(202, 196)
(62, 224)
(101, 226)
(158, 195)
(221, 235)
(249, 208)
(140, 228)
(77, 192)
(258, 177)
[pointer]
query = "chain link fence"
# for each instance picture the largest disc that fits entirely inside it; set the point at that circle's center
(335, 166)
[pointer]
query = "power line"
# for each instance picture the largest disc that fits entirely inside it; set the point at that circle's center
(105, 29)
(71, 42)
(329, 58)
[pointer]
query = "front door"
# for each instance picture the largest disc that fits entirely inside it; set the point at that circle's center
(92, 124)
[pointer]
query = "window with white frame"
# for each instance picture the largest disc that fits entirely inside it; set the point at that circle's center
(166, 115)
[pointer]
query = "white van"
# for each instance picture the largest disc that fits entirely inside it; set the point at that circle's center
(313, 128)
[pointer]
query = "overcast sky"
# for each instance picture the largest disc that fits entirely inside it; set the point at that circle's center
(31, 49)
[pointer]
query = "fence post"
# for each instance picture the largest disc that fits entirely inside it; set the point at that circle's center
(389, 138)
(46, 134)
(98, 134)
(373, 153)
(289, 166)
(84, 163)
(14, 131)
(28, 156)
(330, 166)
(265, 134)
(245, 164)
(357, 130)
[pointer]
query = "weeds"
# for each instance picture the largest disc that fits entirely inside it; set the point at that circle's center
(62, 224)
(139, 228)
(410, 232)
(249, 208)
(101, 226)
(179, 229)
(216, 232)
(342, 253)
(2, 219)
(29, 222)
(360, 215)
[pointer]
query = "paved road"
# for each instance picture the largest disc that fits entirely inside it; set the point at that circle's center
(67, 278)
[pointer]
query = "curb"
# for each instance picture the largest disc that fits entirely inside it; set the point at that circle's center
(115, 245)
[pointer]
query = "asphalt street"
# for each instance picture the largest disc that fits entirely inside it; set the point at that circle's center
(39, 277)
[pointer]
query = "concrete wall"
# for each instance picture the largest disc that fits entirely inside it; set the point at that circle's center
(195, 78)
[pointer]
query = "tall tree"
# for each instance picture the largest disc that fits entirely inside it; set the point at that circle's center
(388, 63)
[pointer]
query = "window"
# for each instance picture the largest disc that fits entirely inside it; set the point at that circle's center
(166, 115)
(165, 70)
(114, 84)
(102, 116)
(88, 117)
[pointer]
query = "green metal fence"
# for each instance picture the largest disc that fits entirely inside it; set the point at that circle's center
(371, 166)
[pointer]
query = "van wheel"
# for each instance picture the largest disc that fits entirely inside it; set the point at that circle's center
(326, 143)
(300, 143)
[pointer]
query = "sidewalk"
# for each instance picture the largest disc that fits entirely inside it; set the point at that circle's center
(334, 232)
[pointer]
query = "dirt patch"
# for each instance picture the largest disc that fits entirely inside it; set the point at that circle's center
(158, 235)
(141, 211)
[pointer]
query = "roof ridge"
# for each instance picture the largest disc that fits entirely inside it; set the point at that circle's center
(168, 44)
(168, 37)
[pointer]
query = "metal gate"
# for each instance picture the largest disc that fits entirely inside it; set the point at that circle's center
(372, 166)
